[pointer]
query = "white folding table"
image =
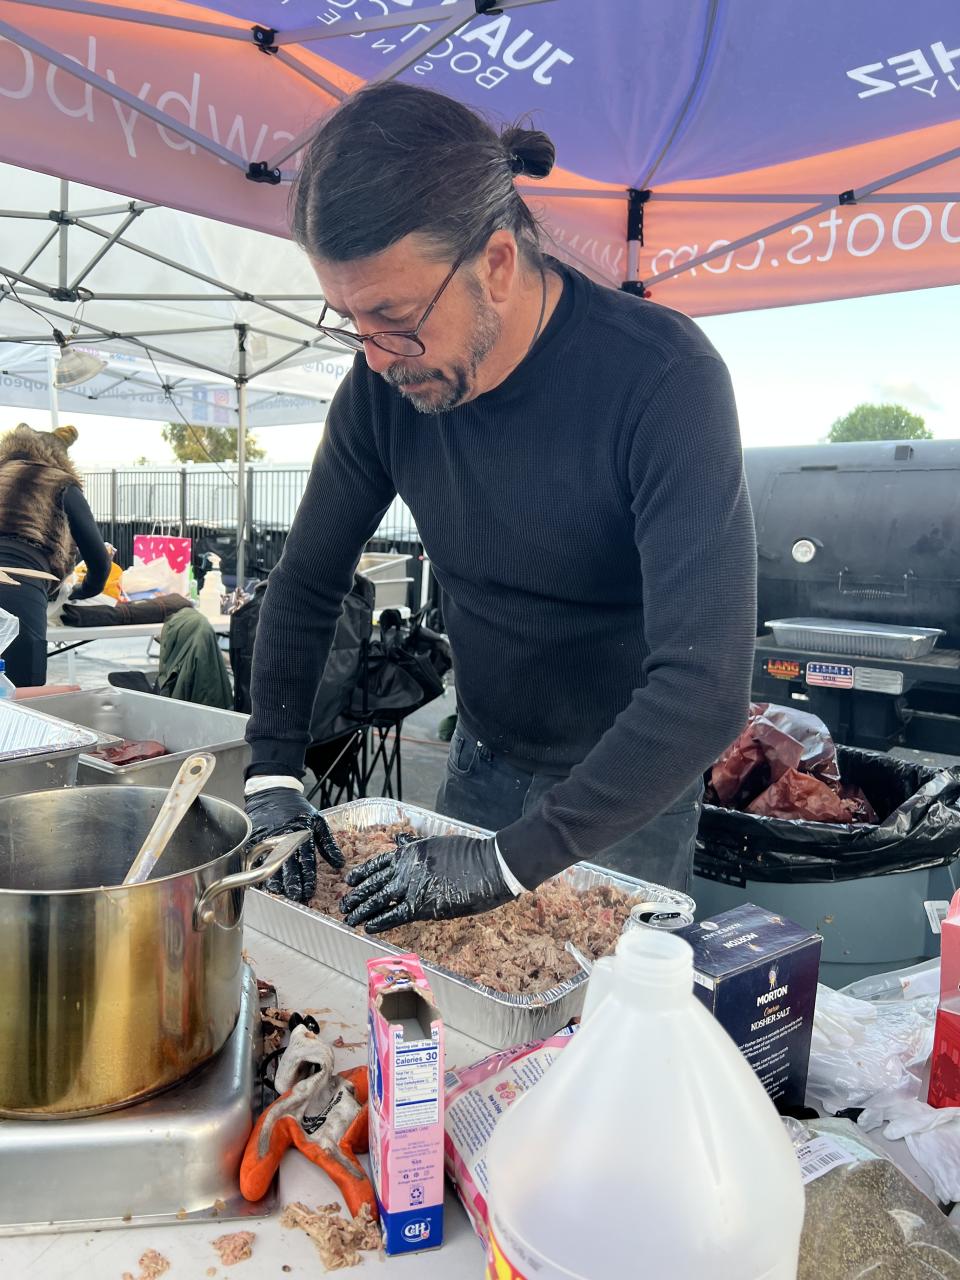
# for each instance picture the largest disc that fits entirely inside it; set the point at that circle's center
(69, 639)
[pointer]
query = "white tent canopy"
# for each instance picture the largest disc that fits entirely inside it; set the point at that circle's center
(135, 387)
(177, 313)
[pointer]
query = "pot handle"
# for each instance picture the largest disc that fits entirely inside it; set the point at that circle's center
(277, 848)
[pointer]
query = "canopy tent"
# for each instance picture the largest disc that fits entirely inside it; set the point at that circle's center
(160, 392)
(719, 154)
(175, 316)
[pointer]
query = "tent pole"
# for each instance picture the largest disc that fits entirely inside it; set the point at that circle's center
(52, 385)
(62, 245)
(636, 202)
(461, 16)
(241, 449)
(113, 91)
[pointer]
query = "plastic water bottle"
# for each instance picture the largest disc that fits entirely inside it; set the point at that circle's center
(7, 688)
(649, 1148)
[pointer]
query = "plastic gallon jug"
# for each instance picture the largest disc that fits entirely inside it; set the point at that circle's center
(649, 1151)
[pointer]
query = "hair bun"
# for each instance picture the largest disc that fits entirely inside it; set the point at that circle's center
(530, 151)
(68, 435)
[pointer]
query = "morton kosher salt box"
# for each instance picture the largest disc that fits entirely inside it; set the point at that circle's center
(757, 974)
(405, 1061)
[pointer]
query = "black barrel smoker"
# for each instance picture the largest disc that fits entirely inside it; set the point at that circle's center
(861, 534)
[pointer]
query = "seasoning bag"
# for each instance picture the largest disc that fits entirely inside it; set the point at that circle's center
(864, 1219)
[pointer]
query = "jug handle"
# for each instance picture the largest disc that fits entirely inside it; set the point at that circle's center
(275, 850)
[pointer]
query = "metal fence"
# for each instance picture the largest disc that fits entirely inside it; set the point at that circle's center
(200, 502)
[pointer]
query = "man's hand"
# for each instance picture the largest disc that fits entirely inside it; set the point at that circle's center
(436, 878)
(275, 813)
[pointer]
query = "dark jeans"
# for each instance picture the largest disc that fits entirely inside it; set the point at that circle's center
(486, 791)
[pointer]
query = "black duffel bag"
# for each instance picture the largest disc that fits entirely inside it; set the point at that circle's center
(921, 829)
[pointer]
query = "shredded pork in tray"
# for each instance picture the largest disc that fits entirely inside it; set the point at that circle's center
(518, 949)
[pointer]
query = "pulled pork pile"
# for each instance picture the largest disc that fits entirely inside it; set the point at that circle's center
(517, 949)
(340, 1239)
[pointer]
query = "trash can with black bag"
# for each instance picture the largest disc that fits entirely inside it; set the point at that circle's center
(862, 886)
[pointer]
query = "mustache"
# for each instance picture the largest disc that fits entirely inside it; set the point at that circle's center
(401, 375)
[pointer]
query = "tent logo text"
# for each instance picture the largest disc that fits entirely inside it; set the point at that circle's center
(489, 49)
(910, 70)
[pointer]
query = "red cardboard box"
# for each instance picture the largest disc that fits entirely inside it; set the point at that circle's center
(945, 1062)
(944, 1088)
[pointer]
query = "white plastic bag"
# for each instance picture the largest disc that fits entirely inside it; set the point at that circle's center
(932, 1134)
(860, 1049)
(9, 630)
(155, 576)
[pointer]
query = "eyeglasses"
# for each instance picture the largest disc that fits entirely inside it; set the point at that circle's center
(398, 342)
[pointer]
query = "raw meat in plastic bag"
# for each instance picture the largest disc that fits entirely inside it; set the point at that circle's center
(918, 827)
(819, 753)
(776, 741)
(799, 795)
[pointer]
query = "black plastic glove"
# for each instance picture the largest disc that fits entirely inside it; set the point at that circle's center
(279, 811)
(436, 878)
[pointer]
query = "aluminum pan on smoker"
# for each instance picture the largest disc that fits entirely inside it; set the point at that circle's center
(858, 639)
(493, 1017)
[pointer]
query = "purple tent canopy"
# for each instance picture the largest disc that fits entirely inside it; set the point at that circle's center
(722, 154)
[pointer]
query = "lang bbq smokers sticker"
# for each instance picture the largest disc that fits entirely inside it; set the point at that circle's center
(783, 668)
(832, 675)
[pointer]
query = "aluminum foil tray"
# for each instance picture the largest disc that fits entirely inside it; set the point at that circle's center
(492, 1017)
(37, 752)
(860, 639)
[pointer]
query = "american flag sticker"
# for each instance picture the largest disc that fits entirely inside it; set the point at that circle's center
(832, 675)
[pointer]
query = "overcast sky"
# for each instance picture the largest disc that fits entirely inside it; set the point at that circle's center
(795, 370)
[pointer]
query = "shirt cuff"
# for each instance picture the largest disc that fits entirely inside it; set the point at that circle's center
(267, 782)
(511, 881)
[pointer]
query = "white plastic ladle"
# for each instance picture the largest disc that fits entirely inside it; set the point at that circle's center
(187, 785)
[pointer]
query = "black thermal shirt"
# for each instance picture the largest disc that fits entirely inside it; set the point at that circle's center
(589, 525)
(86, 535)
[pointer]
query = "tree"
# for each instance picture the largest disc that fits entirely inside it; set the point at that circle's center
(208, 444)
(879, 422)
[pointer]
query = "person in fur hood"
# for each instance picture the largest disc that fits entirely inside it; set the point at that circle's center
(44, 522)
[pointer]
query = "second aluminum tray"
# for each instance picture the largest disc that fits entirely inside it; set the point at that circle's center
(492, 1017)
(860, 639)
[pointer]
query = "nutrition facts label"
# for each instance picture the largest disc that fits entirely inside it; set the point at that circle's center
(417, 1091)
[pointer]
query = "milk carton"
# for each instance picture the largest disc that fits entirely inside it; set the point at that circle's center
(944, 1088)
(406, 1103)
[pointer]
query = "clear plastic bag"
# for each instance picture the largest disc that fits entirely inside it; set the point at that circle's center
(860, 1049)
(898, 984)
(864, 1219)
